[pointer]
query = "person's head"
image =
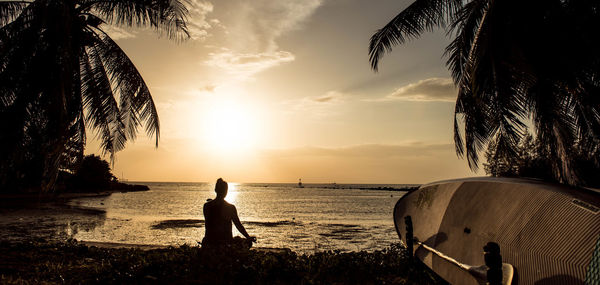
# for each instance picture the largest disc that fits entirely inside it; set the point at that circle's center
(221, 188)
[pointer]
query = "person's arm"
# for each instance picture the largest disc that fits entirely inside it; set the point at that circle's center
(238, 224)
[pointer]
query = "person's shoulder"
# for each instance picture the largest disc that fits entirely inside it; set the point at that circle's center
(209, 202)
(229, 205)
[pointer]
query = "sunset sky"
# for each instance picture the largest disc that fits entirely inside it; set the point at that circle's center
(273, 91)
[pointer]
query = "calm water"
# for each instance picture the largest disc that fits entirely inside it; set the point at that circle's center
(279, 215)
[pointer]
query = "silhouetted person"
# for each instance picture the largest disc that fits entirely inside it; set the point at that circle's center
(218, 216)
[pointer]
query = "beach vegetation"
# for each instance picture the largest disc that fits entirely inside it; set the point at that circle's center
(75, 263)
(61, 73)
(93, 174)
(514, 64)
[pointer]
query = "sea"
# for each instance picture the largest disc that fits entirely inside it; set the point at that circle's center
(315, 217)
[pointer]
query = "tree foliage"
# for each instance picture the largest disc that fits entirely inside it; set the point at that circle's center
(515, 61)
(93, 174)
(532, 160)
(60, 73)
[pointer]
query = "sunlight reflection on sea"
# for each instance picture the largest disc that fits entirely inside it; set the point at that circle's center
(318, 217)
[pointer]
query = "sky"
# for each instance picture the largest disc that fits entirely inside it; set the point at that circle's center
(277, 90)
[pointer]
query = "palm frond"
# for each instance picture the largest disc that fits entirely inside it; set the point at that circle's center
(100, 104)
(467, 23)
(478, 127)
(10, 10)
(420, 16)
(136, 103)
(490, 99)
(555, 128)
(165, 16)
(76, 137)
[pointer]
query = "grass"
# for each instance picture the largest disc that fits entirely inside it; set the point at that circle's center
(74, 263)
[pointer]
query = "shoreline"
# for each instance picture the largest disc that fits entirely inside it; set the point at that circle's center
(13, 199)
(146, 247)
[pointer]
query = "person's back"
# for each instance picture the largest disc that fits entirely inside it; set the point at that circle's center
(218, 216)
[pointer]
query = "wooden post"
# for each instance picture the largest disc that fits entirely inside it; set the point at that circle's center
(409, 236)
(493, 260)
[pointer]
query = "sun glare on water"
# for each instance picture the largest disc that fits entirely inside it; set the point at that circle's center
(232, 192)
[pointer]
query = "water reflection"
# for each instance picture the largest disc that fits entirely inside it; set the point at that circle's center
(233, 192)
(302, 219)
(48, 221)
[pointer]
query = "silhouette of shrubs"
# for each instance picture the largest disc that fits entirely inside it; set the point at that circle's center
(72, 262)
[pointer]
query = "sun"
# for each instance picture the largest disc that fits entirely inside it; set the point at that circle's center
(230, 126)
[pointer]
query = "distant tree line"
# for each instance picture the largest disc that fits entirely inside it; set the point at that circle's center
(531, 159)
(93, 174)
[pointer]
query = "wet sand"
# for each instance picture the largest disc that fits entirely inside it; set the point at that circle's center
(47, 220)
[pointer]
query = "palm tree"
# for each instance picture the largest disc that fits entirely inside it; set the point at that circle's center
(60, 73)
(514, 63)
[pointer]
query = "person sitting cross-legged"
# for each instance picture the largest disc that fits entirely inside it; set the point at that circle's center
(218, 216)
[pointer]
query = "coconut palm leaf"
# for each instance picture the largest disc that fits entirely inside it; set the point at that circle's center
(163, 15)
(420, 16)
(487, 101)
(101, 108)
(10, 10)
(466, 25)
(135, 100)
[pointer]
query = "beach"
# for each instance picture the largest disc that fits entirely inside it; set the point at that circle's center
(81, 239)
(315, 218)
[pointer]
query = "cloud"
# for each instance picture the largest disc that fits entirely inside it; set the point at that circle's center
(315, 108)
(431, 89)
(244, 65)
(370, 163)
(207, 88)
(198, 24)
(376, 151)
(263, 21)
(117, 33)
(185, 160)
(253, 28)
(329, 97)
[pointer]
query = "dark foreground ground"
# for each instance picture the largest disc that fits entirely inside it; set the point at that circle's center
(72, 262)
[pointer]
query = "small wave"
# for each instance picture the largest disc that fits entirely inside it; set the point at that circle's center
(194, 223)
(343, 231)
(299, 236)
(343, 225)
(272, 224)
(174, 224)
